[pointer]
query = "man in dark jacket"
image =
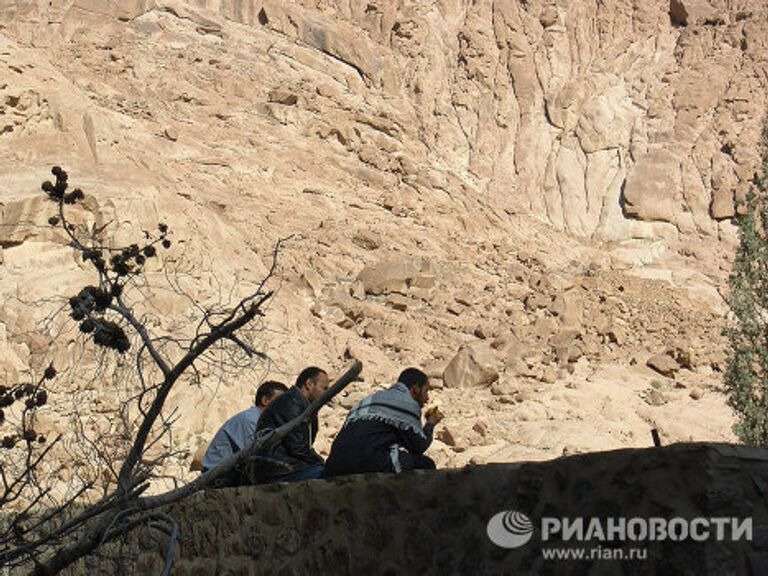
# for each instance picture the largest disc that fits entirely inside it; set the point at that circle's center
(383, 432)
(293, 459)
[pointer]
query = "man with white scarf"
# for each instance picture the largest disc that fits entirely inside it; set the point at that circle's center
(383, 432)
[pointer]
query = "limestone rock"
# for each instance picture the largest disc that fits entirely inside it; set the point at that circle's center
(505, 388)
(568, 308)
(481, 427)
(283, 96)
(401, 303)
(652, 187)
(536, 301)
(367, 239)
(473, 366)
(396, 275)
(655, 398)
(513, 354)
(445, 436)
(487, 151)
(685, 12)
(663, 364)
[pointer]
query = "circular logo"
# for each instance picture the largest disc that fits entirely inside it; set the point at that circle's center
(510, 529)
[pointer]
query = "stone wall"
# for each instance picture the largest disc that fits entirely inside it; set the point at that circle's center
(435, 523)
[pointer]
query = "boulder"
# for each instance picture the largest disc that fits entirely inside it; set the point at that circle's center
(396, 275)
(663, 364)
(568, 308)
(374, 330)
(401, 303)
(544, 327)
(697, 12)
(513, 354)
(536, 300)
(311, 283)
(481, 428)
(655, 398)
(474, 366)
(652, 188)
(446, 436)
(283, 96)
(367, 240)
(505, 388)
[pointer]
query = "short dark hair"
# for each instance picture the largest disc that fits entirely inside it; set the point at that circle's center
(412, 377)
(312, 372)
(268, 389)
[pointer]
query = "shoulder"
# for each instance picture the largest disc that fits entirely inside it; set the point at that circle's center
(283, 402)
(251, 413)
(250, 416)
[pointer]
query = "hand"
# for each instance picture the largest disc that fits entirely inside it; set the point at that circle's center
(434, 415)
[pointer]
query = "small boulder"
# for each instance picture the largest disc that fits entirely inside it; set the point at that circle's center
(396, 275)
(548, 17)
(283, 96)
(663, 364)
(693, 12)
(400, 303)
(568, 308)
(535, 301)
(481, 428)
(374, 330)
(655, 398)
(446, 436)
(474, 366)
(505, 388)
(549, 375)
(367, 240)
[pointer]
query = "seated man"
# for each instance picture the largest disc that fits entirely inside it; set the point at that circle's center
(293, 459)
(238, 432)
(383, 432)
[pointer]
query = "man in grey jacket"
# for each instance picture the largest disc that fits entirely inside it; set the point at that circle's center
(239, 432)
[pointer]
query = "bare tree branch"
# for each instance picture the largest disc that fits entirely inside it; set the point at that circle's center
(123, 452)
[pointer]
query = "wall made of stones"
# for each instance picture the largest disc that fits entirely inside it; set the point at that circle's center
(436, 522)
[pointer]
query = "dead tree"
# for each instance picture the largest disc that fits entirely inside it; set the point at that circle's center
(48, 540)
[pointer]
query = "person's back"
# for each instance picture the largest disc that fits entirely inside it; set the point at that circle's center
(366, 446)
(383, 432)
(234, 435)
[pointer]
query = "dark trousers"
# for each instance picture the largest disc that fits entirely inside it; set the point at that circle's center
(231, 479)
(410, 461)
(311, 473)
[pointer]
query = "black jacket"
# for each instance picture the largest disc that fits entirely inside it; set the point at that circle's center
(363, 446)
(295, 450)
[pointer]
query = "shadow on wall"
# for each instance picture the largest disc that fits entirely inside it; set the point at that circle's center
(493, 519)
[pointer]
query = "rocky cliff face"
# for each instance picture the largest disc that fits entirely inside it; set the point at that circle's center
(535, 196)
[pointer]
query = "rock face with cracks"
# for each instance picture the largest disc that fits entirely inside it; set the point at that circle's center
(550, 181)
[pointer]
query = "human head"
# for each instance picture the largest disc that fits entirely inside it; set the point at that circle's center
(417, 382)
(312, 382)
(268, 391)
